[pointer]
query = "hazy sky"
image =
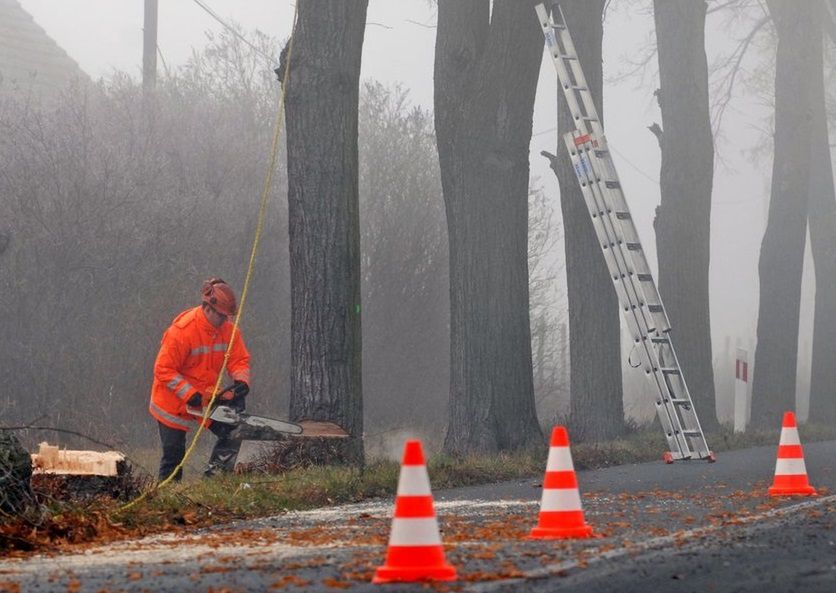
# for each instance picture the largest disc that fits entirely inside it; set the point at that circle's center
(106, 35)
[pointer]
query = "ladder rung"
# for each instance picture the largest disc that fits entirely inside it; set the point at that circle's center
(587, 118)
(655, 308)
(568, 57)
(681, 402)
(670, 370)
(634, 246)
(612, 184)
(623, 216)
(579, 88)
(661, 340)
(692, 433)
(645, 277)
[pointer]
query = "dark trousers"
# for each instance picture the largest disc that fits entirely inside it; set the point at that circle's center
(223, 457)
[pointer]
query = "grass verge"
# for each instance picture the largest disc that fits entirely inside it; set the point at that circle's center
(225, 498)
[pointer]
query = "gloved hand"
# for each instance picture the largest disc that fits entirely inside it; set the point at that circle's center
(195, 401)
(238, 403)
(241, 389)
(239, 393)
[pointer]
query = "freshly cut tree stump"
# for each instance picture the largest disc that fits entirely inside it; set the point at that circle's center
(82, 475)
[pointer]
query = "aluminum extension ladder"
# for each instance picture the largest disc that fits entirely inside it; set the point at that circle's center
(638, 296)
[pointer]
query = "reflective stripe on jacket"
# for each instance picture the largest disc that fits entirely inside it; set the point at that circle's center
(190, 358)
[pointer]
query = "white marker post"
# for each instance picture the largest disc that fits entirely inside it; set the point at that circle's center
(741, 389)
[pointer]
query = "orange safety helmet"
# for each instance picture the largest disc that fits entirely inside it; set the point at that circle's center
(219, 295)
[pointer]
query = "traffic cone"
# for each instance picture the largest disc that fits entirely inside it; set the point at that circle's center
(561, 515)
(790, 471)
(415, 552)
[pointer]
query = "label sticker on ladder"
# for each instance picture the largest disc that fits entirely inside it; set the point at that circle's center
(582, 167)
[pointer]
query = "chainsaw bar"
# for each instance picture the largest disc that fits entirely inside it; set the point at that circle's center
(227, 415)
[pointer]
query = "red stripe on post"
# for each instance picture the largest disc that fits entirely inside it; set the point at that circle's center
(414, 507)
(565, 479)
(581, 139)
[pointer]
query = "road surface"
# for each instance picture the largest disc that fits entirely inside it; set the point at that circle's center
(687, 527)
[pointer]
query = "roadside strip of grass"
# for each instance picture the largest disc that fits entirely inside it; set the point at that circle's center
(202, 503)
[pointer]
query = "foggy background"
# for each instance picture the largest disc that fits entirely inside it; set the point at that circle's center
(405, 370)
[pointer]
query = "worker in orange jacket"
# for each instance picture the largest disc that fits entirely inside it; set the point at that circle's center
(185, 373)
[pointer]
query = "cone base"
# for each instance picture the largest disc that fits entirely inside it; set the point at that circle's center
(394, 574)
(793, 491)
(579, 532)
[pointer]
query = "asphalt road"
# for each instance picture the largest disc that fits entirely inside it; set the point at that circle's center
(687, 527)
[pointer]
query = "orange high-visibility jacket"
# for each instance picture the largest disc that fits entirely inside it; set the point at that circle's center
(190, 358)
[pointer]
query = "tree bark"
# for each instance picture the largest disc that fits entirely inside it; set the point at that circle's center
(486, 68)
(683, 219)
(595, 382)
(822, 224)
(323, 211)
(799, 60)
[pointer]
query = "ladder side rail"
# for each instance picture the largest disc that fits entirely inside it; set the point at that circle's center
(689, 412)
(614, 197)
(671, 422)
(580, 78)
(563, 75)
(611, 221)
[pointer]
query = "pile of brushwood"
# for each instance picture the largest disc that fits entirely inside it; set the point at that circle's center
(290, 453)
(16, 495)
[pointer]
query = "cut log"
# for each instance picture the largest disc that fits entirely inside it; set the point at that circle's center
(51, 460)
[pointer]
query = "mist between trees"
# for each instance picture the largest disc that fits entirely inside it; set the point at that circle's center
(114, 209)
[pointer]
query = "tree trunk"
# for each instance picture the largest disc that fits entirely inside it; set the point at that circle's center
(822, 221)
(683, 219)
(595, 387)
(323, 211)
(486, 68)
(799, 61)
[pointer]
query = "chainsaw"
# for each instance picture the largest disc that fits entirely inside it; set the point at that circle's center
(250, 427)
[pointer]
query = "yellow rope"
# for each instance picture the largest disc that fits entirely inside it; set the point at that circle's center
(262, 212)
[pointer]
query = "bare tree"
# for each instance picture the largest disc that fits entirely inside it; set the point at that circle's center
(486, 65)
(323, 213)
(822, 225)
(798, 66)
(683, 219)
(596, 393)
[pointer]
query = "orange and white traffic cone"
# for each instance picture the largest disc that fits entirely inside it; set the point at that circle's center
(415, 552)
(561, 515)
(790, 470)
